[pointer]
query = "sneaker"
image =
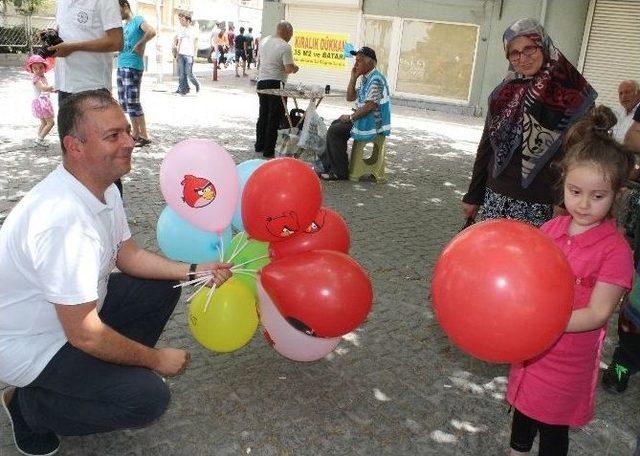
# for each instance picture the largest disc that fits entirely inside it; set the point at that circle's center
(27, 442)
(616, 378)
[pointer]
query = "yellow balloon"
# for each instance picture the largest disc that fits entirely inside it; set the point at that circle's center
(230, 319)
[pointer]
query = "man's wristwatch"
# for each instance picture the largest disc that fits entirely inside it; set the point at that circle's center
(192, 271)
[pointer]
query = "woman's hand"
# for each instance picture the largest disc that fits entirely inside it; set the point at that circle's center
(470, 210)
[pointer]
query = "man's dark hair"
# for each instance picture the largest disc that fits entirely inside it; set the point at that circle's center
(124, 3)
(250, 29)
(241, 30)
(73, 109)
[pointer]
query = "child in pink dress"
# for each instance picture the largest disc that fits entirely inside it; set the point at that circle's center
(41, 106)
(556, 390)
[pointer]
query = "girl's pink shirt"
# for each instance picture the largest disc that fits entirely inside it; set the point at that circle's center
(558, 387)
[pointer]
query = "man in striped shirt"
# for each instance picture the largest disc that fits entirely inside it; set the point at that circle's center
(370, 117)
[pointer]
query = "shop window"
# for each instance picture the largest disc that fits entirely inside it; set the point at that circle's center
(436, 59)
(377, 36)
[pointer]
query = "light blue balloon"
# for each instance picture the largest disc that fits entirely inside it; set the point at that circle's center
(348, 47)
(181, 241)
(245, 170)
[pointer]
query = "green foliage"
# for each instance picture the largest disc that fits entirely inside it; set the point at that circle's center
(27, 7)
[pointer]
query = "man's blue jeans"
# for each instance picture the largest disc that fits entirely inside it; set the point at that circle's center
(185, 74)
(78, 394)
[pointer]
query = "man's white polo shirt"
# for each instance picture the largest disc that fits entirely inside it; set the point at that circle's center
(624, 122)
(58, 245)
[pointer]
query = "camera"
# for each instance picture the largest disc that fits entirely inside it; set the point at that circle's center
(48, 37)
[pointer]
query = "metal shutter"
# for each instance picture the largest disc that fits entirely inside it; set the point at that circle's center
(613, 48)
(329, 20)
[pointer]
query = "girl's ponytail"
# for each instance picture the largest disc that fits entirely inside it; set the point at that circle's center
(589, 141)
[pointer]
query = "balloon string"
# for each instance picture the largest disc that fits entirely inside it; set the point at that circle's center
(243, 270)
(209, 295)
(239, 248)
(251, 261)
(221, 248)
(204, 284)
(194, 281)
(250, 274)
(235, 248)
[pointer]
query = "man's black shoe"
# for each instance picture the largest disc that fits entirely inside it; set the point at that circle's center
(27, 442)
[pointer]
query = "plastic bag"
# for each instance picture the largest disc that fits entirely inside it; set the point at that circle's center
(313, 136)
(287, 143)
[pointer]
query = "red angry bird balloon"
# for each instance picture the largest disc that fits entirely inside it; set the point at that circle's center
(280, 199)
(321, 293)
(502, 291)
(328, 231)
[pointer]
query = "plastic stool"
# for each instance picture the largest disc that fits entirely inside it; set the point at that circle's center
(374, 165)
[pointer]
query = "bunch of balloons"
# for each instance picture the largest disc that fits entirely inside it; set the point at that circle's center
(312, 292)
(290, 255)
(502, 291)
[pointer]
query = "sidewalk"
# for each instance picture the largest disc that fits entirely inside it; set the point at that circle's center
(396, 386)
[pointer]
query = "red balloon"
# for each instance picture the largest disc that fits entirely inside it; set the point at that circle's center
(502, 291)
(328, 231)
(280, 199)
(322, 292)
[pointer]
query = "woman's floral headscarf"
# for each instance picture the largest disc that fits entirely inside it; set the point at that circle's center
(534, 113)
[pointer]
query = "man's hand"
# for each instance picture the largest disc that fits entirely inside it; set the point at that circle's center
(171, 361)
(344, 118)
(295, 68)
(221, 272)
(63, 49)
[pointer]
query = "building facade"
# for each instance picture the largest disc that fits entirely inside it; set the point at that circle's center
(449, 55)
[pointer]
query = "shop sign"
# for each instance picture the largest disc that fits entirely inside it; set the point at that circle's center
(319, 49)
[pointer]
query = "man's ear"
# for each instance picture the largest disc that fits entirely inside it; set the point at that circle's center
(72, 146)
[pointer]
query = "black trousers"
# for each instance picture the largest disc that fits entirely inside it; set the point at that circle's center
(335, 159)
(62, 96)
(78, 394)
(270, 117)
(554, 439)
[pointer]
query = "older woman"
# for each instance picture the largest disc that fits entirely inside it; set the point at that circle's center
(541, 96)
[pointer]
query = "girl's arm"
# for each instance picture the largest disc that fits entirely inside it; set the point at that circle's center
(43, 87)
(603, 301)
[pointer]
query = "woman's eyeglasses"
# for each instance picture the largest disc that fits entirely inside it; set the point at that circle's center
(515, 55)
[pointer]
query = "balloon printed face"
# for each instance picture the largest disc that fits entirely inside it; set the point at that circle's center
(317, 223)
(283, 225)
(197, 191)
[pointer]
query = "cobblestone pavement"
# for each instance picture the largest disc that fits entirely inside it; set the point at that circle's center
(396, 385)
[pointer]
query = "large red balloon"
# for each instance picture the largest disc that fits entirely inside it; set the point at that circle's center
(328, 231)
(280, 199)
(322, 292)
(502, 291)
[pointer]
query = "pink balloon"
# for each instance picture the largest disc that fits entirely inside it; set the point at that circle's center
(287, 340)
(199, 181)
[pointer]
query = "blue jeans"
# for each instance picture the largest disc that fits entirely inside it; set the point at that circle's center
(79, 394)
(185, 74)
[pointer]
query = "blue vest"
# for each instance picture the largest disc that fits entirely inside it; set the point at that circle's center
(365, 128)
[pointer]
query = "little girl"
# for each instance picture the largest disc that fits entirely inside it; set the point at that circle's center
(41, 106)
(556, 390)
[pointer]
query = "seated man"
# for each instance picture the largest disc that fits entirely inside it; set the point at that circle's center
(371, 117)
(76, 339)
(629, 97)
